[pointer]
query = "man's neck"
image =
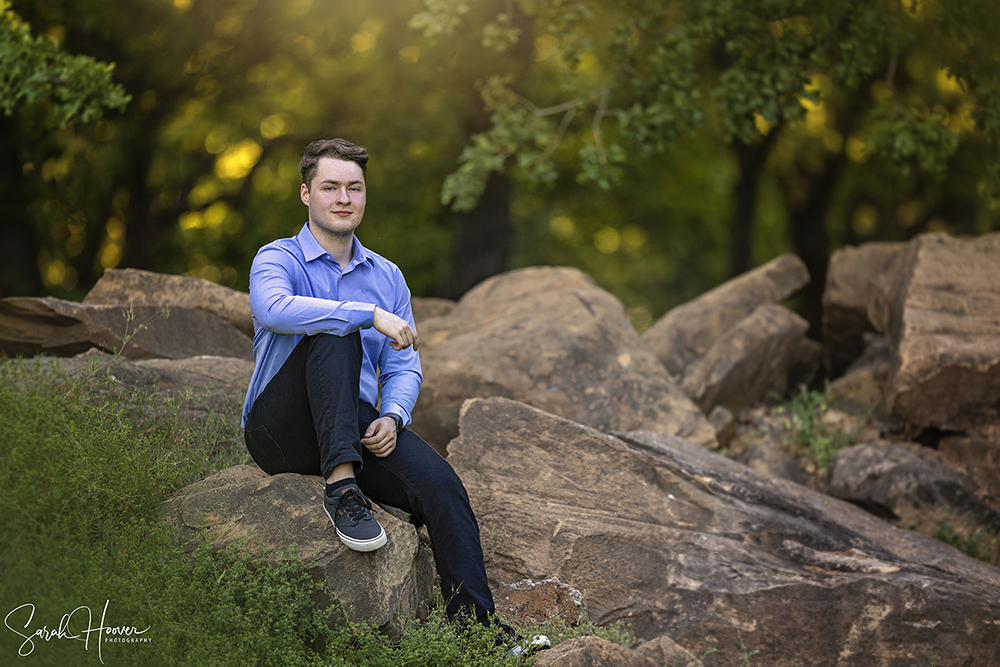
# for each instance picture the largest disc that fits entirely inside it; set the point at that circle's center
(340, 247)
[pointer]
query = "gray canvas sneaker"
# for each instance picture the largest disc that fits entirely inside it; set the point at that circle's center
(351, 514)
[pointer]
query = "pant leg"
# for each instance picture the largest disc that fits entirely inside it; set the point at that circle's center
(306, 419)
(416, 479)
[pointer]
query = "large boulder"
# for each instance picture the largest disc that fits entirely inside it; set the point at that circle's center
(592, 652)
(736, 345)
(909, 485)
(938, 301)
(551, 338)
(428, 307)
(845, 301)
(679, 541)
(244, 508)
(146, 288)
(32, 326)
(203, 392)
(686, 333)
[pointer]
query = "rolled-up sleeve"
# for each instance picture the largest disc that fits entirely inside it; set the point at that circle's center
(278, 309)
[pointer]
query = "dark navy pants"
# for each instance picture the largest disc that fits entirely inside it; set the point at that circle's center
(309, 419)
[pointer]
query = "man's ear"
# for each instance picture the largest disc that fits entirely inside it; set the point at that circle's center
(304, 194)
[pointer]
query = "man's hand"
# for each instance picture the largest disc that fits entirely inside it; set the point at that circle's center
(380, 437)
(400, 334)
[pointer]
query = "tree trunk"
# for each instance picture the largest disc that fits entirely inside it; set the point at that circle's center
(483, 239)
(751, 158)
(19, 274)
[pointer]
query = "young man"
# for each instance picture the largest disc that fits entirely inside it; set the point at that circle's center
(332, 322)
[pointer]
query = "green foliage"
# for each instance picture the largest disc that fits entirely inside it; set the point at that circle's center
(756, 66)
(811, 434)
(36, 71)
(911, 140)
(976, 544)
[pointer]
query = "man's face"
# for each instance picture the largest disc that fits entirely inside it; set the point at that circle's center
(336, 197)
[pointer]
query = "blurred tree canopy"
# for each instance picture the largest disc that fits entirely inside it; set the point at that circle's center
(658, 146)
(35, 71)
(815, 101)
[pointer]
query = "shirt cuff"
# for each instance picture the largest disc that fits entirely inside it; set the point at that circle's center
(395, 410)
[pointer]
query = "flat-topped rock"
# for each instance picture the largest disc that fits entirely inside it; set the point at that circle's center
(243, 507)
(147, 288)
(31, 326)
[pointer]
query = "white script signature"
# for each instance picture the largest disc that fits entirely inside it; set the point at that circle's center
(69, 628)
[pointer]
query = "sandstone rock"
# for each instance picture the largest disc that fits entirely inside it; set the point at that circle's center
(678, 541)
(862, 386)
(31, 326)
(425, 308)
(668, 653)
(687, 332)
(748, 362)
(938, 301)
(845, 301)
(724, 423)
(769, 459)
(244, 508)
(206, 392)
(910, 487)
(533, 603)
(592, 652)
(146, 288)
(551, 338)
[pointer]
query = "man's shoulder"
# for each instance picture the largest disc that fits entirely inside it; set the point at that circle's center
(382, 263)
(287, 246)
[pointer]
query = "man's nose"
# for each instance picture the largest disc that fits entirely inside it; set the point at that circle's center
(342, 196)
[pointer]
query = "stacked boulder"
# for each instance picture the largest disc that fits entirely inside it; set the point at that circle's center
(737, 344)
(549, 337)
(928, 312)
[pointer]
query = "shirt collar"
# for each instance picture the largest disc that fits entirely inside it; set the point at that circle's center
(311, 249)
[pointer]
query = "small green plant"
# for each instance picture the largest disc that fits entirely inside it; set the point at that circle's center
(747, 654)
(811, 434)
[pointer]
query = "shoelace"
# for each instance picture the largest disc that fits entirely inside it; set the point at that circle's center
(355, 506)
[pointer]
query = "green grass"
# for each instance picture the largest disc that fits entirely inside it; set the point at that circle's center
(83, 470)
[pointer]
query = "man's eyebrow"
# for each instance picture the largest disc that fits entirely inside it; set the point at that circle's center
(333, 182)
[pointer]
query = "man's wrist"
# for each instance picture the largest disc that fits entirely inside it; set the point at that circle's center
(398, 420)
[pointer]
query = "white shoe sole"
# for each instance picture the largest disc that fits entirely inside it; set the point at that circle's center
(359, 545)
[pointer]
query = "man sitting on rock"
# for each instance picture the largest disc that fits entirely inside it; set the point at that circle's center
(332, 322)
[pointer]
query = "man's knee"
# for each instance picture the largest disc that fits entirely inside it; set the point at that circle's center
(335, 352)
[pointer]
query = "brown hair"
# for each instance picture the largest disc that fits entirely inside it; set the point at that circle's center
(338, 149)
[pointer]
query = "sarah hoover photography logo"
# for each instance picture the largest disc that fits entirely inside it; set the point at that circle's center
(77, 625)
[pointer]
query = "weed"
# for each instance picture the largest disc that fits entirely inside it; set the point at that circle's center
(811, 434)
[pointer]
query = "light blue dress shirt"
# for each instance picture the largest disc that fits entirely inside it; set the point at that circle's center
(297, 289)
